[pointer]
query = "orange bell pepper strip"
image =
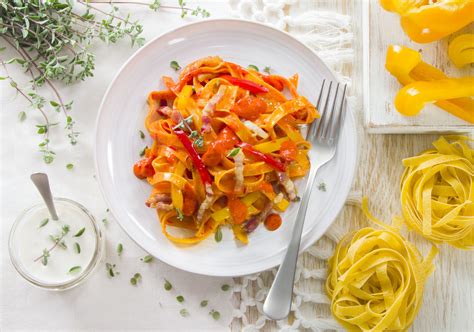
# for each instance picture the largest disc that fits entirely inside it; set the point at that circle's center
(408, 67)
(412, 98)
(461, 50)
(425, 22)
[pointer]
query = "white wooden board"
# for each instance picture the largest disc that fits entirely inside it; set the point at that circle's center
(380, 29)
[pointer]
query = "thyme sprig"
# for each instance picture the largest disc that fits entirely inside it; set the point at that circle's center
(58, 240)
(53, 45)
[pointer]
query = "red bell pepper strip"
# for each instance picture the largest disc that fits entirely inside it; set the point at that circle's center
(245, 84)
(276, 164)
(197, 161)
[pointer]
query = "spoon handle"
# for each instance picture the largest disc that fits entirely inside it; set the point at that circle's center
(42, 184)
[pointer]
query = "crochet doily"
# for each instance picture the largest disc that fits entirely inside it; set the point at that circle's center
(330, 35)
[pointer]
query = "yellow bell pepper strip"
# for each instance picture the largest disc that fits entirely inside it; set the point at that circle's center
(412, 98)
(461, 50)
(425, 22)
(408, 67)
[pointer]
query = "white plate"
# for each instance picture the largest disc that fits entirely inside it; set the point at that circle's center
(122, 114)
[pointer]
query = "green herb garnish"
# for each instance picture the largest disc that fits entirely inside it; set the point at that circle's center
(21, 116)
(322, 186)
(253, 67)
(58, 241)
(119, 249)
(175, 65)
(218, 235)
(77, 248)
(147, 259)
(142, 135)
(74, 269)
(179, 214)
(183, 312)
(69, 166)
(168, 285)
(267, 70)
(111, 270)
(204, 303)
(43, 222)
(233, 152)
(225, 287)
(180, 298)
(143, 151)
(135, 279)
(215, 314)
(80, 232)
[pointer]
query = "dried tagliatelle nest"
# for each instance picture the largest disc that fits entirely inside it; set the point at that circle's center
(437, 192)
(376, 278)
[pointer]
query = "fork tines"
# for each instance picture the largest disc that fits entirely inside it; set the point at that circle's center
(330, 105)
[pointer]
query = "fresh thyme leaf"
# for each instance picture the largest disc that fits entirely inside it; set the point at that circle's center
(225, 287)
(179, 214)
(21, 116)
(44, 258)
(215, 314)
(111, 270)
(43, 222)
(322, 186)
(267, 69)
(137, 276)
(180, 298)
(107, 210)
(147, 259)
(155, 5)
(77, 247)
(253, 67)
(174, 64)
(80, 232)
(183, 312)
(218, 235)
(142, 135)
(199, 142)
(105, 221)
(75, 269)
(233, 152)
(133, 281)
(142, 152)
(69, 166)
(168, 285)
(204, 303)
(119, 249)
(62, 245)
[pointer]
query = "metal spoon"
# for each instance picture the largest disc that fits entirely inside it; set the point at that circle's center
(42, 184)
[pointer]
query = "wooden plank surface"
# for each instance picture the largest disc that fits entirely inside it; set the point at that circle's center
(382, 28)
(449, 293)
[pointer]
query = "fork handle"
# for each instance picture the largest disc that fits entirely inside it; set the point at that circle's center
(278, 302)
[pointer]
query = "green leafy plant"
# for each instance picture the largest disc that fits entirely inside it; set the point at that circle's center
(53, 42)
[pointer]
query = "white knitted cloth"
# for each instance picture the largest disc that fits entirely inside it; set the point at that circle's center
(330, 35)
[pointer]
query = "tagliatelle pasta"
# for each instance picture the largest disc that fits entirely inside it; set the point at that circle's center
(376, 278)
(437, 192)
(226, 148)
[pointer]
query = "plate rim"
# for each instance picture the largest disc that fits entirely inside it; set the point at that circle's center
(312, 238)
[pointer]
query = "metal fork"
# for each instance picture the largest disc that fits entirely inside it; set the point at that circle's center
(323, 136)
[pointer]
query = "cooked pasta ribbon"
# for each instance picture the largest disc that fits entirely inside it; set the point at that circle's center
(218, 132)
(437, 192)
(376, 278)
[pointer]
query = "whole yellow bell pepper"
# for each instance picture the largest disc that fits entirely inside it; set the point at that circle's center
(408, 67)
(461, 50)
(412, 98)
(425, 21)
